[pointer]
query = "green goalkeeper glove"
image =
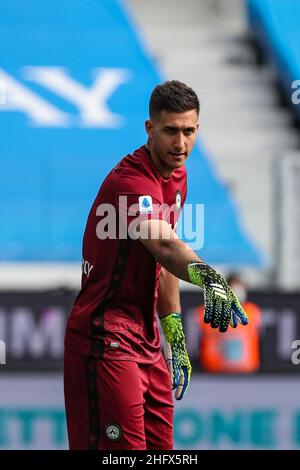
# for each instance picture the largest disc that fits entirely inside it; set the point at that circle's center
(222, 306)
(176, 355)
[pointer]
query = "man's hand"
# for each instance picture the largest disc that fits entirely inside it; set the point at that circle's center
(222, 306)
(176, 355)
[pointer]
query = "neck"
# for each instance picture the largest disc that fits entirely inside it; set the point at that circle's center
(163, 170)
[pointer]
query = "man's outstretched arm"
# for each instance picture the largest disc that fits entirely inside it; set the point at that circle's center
(221, 304)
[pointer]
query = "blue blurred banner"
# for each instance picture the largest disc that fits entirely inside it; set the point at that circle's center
(275, 24)
(75, 83)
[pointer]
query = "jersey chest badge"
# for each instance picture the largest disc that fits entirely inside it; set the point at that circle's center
(178, 200)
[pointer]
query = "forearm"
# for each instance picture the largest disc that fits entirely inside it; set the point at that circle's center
(175, 255)
(168, 294)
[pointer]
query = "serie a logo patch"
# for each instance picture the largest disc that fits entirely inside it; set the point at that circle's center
(113, 432)
(145, 204)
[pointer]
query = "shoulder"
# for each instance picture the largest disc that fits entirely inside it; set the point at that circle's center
(134, 174)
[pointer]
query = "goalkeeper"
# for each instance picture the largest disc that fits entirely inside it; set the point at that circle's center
(118, 392)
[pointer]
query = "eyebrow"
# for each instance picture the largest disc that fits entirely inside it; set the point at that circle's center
(169, 126)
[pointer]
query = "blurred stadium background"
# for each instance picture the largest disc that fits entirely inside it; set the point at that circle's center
(75, 78)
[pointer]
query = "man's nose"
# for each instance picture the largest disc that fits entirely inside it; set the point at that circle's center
(180, 141)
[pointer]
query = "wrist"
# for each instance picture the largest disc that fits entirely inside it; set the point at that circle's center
(197, 272)
(172, 327)
(171, 312)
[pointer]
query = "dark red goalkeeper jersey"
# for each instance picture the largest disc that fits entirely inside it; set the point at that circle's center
(114, 314)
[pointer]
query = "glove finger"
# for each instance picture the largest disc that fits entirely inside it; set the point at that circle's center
(183, 383)
(208, 305)
(233, 319)
(169, 361)
(240, 313)
(226, 315)
(176, 370)
(217, 312)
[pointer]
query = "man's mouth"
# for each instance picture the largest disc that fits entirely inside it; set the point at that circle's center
(176, 154)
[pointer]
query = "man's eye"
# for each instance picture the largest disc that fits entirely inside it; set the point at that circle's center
(188, 132)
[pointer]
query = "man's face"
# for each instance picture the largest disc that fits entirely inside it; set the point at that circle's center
(172, 137)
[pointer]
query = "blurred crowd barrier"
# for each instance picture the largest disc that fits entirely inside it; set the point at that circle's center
(32, 326)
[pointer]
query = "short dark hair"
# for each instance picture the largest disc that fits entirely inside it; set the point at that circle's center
(172, 96)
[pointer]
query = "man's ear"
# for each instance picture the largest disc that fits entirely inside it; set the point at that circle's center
(149, 128)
